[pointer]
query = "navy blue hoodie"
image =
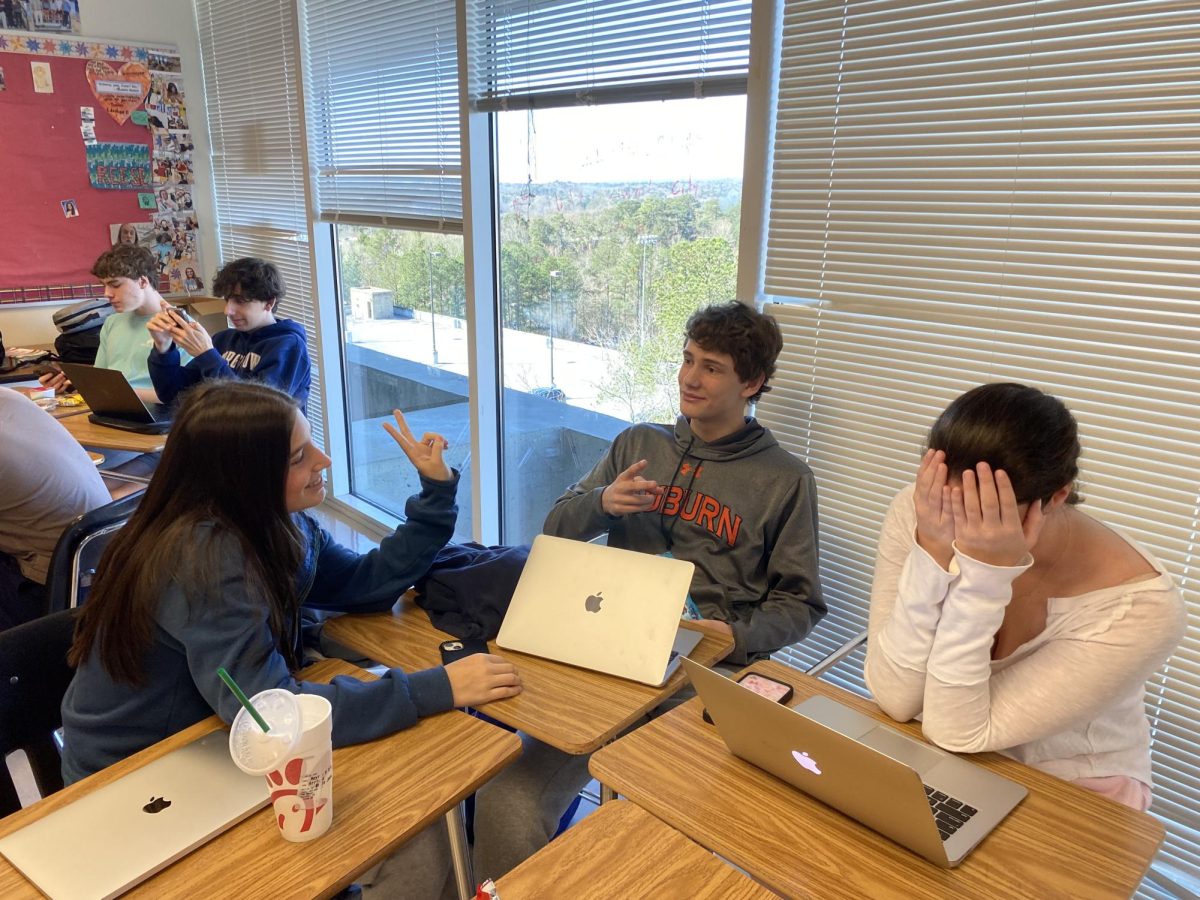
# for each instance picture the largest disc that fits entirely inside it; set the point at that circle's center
(105, 721)
(275, 354)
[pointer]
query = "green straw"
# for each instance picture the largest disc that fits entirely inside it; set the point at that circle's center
(243, 699)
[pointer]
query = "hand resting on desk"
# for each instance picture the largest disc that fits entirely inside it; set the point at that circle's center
(482, 678)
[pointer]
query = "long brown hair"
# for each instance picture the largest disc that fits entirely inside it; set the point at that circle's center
(226, 463)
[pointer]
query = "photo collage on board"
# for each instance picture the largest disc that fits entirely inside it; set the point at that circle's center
(173, 237)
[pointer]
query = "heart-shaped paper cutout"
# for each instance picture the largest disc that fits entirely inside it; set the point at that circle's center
(120, 91)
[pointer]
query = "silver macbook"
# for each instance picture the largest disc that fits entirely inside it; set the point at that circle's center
(114, 402)
(602, 608)
(932, 802)
(120, 834)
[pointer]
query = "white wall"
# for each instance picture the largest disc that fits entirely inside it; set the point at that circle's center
(148, 21)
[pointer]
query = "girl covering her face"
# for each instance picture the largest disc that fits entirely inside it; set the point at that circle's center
(1007, 617)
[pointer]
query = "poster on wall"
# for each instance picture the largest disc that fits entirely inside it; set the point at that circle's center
(120, 89)
(118, 167)
(110, 155)
(55, 16)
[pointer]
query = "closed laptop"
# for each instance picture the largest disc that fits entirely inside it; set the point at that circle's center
(120, 834)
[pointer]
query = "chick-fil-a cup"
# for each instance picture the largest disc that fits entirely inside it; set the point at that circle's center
(295, 756)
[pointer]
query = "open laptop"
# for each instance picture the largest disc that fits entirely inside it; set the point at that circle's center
(602, 608)
(120, 834)
(932, 802)
(114, 402)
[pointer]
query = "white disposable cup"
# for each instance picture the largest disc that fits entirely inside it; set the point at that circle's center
(302, 787)
(296, 756)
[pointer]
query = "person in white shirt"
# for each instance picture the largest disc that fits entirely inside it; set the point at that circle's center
(1005, 616)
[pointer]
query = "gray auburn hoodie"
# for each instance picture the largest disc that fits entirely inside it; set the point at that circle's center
(742, 509)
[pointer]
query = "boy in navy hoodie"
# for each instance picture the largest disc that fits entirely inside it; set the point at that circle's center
(258, 346)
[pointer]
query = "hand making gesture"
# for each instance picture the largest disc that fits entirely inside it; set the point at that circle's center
(988, 526)
(425, 454)
(630, 493)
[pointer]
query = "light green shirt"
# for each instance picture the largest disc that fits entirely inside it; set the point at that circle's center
(125, 345)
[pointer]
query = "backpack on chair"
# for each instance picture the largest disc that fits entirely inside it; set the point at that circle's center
(79, 324)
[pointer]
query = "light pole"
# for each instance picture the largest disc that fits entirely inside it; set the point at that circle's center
(645, 240)
(432, 317)
(553, 277)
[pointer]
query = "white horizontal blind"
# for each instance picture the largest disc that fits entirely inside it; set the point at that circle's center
(251, 80)
(527, 53)
(383, 112)
(967, 192)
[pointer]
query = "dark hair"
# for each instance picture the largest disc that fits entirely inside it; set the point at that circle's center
(1027, 433)
(226, 463)
(751, 338)
(257, 279)
(126, 261)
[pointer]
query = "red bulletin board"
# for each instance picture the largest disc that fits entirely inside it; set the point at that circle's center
(43, 162)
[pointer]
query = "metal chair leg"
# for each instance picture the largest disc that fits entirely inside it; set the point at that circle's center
(460, 854)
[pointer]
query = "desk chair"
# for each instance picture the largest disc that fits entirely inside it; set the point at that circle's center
(33, 679)
(78, 551)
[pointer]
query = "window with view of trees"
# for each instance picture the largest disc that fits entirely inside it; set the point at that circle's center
(615, 224)
(403, 313)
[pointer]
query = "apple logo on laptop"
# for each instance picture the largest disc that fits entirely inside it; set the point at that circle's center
(592, 603)
(156, 805)
(806, 762)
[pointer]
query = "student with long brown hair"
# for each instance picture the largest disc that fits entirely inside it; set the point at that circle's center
(214, 567)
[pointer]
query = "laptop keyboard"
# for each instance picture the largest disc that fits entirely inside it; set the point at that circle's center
(949, 813)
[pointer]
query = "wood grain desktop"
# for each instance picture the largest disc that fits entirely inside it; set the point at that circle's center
(621, 851)
(385, 791)
(1061, 841)
(89, 434)
(573, 709)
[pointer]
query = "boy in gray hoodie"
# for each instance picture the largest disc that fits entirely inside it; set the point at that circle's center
(714, 489)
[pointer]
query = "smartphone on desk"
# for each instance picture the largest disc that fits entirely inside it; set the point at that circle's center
(764, 687)
(457, 649)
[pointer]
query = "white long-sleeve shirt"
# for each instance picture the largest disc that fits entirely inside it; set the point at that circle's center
(1070, 701)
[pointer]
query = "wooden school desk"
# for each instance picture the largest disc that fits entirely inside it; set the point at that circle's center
(385, 791)
(572, 709)
(621, 851)
(90, 434)
(1061, 841)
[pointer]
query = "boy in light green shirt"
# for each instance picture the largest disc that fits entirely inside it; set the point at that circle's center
(129, 273)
